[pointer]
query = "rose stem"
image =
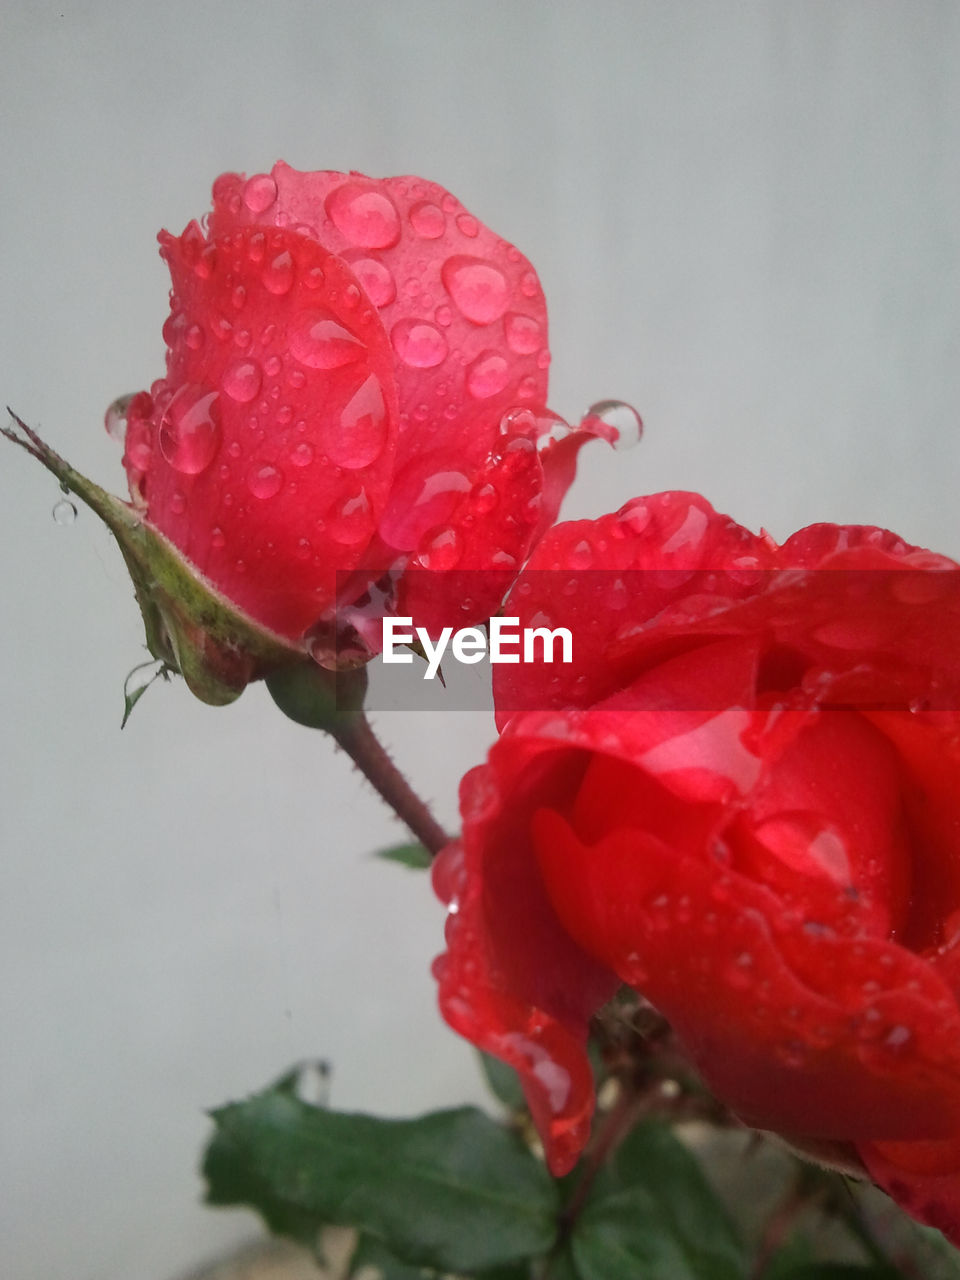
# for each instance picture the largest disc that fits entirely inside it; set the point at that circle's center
(370, 756)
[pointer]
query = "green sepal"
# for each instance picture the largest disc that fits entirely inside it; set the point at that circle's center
(317, 697)
(189, 625)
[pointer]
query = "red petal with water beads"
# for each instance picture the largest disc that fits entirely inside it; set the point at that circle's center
(448, 324)
(266, 453)
(741, 799)
(464, 309)
(512, 980)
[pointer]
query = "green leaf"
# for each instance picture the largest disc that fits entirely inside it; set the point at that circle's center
(651, 1212)
(503, 1082)
(416, 856)
(452, 1190)
(372, 1254)
(836, 1271)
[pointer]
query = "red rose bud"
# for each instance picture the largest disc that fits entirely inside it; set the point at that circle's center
(356, 382)
(741, 799)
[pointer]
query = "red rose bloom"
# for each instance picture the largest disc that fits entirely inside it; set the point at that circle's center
(342, 353)
(741, 799)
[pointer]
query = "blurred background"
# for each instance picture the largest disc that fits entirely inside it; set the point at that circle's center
(745, 218)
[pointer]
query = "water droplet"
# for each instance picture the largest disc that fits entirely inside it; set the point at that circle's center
(302, 455)
(238, 298)
(443, 316)
(377, 282)
(256, 246)
(488, 375)
(622, 417)
(242, 380)
(529, 284)
(523, 333)
(365, 215)
(259, 192)
(419, 344)
(115, 419)
(485, 498)
(528, 387)
(194, 337)
(321, 342)
(423, 497)
(350, 522)
(278, 274)
(478, 288)
(441, 550)
(468, 225)
(898, 1038)
(265, 481)
(634, 515)
(427, 220)
(217, 539)
(581, 557)
(178, 504)
(189, 433)
(64, 512)
(803, 842)
(362, 432)
(518, 422)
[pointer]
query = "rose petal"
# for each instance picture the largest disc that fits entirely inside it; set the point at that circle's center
(448, 292)
(265, 491)
(512, 981)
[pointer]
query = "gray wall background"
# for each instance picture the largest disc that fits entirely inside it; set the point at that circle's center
(745, 218)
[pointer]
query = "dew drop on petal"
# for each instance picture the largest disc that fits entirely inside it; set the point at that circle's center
(488, 375)
(302, 454)
(478, 288)
(419, 344)
(242, 380)
(217, 539)
(523, 333)
(277, 275)
(581, 557)
(350, 521)
(529, 284)
(362, 431)
(427, 220)
(622, 417)
(441, 550)
(189, 434)
(366, 216)
(468, 225)
(265, 481)
(485, 498)
(259, 192)
(377, 282)
(194, 337)
(321, 342)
